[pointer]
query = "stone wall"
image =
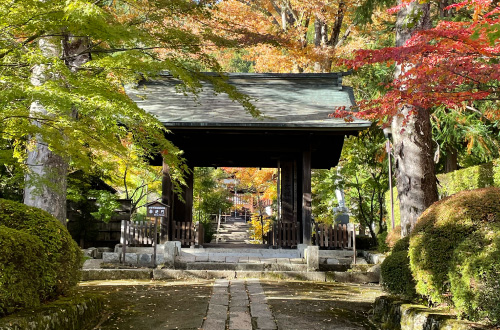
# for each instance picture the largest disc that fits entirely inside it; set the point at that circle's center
(393, 313)
(78, 312)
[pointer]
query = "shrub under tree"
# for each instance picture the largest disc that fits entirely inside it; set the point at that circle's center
(455, 253)
(39, 260)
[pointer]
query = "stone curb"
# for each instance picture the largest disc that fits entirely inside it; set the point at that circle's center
(116, 274)
(392, 313)
(168, 274)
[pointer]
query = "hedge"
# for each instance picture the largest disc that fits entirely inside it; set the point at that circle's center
(395, 270)
(63, 258)
(474, 177)
(455, 253)
(21, 269)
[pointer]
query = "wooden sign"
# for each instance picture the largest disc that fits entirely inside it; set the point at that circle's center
(156, 209)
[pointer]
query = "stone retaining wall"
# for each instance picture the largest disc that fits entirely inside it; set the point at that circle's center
(77, 312)
(392, 313)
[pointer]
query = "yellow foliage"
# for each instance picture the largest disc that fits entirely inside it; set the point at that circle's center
(256, 227)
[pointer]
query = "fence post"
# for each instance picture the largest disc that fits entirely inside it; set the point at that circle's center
(155, 242)
(354, 242)
(124, 239)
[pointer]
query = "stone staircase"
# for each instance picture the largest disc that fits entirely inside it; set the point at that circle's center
(241, 259)
(233, 231)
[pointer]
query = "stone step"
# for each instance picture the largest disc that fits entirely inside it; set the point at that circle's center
(242, 252)
(169, 274)
(336, 261)
(262, 267)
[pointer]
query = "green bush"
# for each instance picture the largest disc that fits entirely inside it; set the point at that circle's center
(396, 274)
(61, 268)
(382, 246)
(402, 245)
(21, 269)
(455, 253)
(474, 177)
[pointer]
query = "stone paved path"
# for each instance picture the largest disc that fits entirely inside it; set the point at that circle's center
(238, 305)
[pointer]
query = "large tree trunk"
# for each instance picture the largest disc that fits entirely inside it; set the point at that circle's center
(413, 147)
(46, 180)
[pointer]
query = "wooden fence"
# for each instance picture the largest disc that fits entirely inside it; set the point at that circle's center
(138, 233)
(184, 232)
(284, 234)
(335, 237)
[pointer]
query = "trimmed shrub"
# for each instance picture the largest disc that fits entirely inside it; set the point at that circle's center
(396, 274)
(455, 253)
(402, 245)
(22, 264)
(474, 177)
(61, 269)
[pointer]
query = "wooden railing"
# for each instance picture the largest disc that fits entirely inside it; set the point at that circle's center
(138, 233)
(335, 237)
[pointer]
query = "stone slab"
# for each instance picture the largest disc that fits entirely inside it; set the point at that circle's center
(250, 267)
(264, 323)
(210, 266)
(239, 320)
(287, 267)
(238, 302)
(131, 258)
(218, 312)
(312, 258)
(213, 324)
(160, 258)
(212, 257)
(219, 299)
(232, 259)
(144, 259)
(110, 257)
(353, 277)
(92, 264)
(201, 258)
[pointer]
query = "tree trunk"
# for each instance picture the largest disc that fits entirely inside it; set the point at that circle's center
(46, 180)
(451, 163)
(413, 147)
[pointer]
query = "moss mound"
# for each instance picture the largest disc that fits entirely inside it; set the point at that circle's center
(51, 264)
(455, 253)
(396, 273)
(21, 269)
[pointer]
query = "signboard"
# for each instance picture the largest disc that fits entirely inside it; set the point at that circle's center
(156, 209)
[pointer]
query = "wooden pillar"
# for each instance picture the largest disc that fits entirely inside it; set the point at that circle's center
(166, 198)
(183, 207)
(306, 197)
(188, 197)
(287, 191)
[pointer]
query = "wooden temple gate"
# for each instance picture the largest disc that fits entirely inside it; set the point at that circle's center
(295, 134)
